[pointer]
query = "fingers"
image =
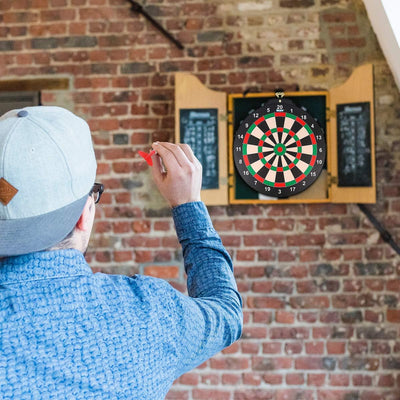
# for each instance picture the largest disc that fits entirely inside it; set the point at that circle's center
(168, 159)
(188, 151)
(173, 154)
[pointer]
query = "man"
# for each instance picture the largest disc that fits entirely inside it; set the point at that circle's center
(66, 333)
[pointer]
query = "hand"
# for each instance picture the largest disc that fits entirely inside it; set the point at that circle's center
(180, 181)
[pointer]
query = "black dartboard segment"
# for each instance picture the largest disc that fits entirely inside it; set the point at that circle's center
(279, 149)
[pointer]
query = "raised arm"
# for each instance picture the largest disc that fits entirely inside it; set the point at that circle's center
(211, 318)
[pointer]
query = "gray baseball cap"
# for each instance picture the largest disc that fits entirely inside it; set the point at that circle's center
(47, 169)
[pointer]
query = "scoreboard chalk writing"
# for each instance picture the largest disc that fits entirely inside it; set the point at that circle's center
(354, 144)
(199, 129)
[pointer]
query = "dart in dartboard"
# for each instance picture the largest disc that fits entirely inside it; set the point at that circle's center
(279, 149)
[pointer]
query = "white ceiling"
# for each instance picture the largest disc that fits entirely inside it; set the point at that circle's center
(385, 20)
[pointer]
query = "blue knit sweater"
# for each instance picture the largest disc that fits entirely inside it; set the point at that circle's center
(66, 333)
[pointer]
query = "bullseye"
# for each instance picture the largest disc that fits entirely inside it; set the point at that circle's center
(280, 149)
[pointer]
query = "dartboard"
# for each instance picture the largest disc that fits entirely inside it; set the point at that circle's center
(279, 149)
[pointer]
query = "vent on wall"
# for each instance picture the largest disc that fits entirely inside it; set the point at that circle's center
(13, 100)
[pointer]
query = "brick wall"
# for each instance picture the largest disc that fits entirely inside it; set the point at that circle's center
(320, 288)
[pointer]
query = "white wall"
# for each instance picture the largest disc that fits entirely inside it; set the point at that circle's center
(385, 20)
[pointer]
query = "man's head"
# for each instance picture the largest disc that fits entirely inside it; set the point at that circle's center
(47, 169)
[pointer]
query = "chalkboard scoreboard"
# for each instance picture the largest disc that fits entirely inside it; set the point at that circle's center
(354, 144)
(199, 129)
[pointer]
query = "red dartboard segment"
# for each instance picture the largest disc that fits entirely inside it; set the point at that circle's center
(313, 141)
(259, 120)
(300, 178)
(258, 177)
(281, 152)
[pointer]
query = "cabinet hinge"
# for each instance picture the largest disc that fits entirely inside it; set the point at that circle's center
(332, 180)
(330, 114)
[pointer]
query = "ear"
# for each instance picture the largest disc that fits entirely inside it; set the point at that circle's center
(85, 220)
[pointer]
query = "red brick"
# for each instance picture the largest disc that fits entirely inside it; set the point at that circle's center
(294, 332)
(265, 302)
(306, 240)
(143, 256)
(315, 348)
(252, 379)
(272, 348)
(175, 394)
(254, 332)
(308, 363)
(316, 379)
(293, 348)
(207, 394)
(229, 363)
(318, 302)
(335, 347)
(362, 380)
(253, 394)
(249, 347)
(267, 363)
(164, 272)
(272, 379)
(295, 379)
(309, 317)
(393, 315)
(264, 240)
(245, 255)
(210, 379)
(189, 379)
(262, 287)
(266, 255)
(141, 226)
(122, 256)
(339, 379)
(284, 317)
(262, 317)
(230, 379)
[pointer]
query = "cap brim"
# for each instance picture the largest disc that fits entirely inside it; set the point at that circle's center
(27, 235)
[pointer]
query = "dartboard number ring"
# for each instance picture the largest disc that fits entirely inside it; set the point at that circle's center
(279, 149)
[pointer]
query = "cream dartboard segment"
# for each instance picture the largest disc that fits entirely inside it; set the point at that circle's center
(279, 149)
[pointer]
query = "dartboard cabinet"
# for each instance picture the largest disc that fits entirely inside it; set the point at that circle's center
(282, 146)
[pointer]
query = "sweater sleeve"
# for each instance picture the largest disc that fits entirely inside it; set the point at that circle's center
(211, 316)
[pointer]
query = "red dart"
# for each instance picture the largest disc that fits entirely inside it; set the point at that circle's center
(147, 156)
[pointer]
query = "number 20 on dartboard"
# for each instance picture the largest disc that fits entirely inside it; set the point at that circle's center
(279, 149)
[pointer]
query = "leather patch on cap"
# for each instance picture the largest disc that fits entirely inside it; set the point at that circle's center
(7, 191)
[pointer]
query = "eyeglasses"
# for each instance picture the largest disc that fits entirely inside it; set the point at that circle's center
(97, 191)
